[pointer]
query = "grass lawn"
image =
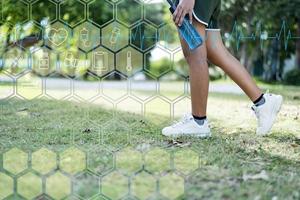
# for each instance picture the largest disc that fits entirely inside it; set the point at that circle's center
(61, 149)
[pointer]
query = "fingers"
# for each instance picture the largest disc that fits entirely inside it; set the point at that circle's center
(178, 14)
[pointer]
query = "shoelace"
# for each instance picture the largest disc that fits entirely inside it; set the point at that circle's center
(183, 120)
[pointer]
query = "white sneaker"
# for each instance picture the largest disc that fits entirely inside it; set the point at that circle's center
(187, 127)
(266, 113)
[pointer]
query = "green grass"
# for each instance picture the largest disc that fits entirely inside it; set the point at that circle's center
(118, 145)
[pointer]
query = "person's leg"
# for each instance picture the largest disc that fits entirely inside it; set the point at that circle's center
(221, 57)
(198, 70)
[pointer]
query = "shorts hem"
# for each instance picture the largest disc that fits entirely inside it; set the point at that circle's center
(213, 29)
(199, 20)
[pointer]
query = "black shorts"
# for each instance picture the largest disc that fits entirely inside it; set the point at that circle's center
(207, 12)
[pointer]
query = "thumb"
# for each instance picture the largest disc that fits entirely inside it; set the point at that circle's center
(191, 17)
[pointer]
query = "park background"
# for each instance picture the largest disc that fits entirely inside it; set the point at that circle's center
(77, 126)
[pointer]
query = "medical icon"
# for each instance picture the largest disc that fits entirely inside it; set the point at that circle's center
(70, 60)
(44, 61)
(84, 37)
(100, 61)
(15, 61)
(128, 61)
(115, 33)
(58, 36)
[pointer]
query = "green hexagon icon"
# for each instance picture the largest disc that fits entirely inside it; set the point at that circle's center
(43, 161)
(15, 161)
(157, 160)
(88, 36)
(129, 61)
(6, 186)
(168, 183)
(58, 186)
(115, 36)
(29, 185)
(186, 161)
(115, 185)
(143, 185)
(72, 160)
(129, 160)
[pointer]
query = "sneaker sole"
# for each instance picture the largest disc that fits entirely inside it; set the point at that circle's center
(275, 111)
(196, 135)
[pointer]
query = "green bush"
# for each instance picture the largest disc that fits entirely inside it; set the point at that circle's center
(292, 77)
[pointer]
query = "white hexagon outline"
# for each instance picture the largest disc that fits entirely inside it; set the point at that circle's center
(130, 36)
(163, 99)
(152, 77)
(124, 23)
(109, 74)
(13, 92)
(79, 22)
(95, 23)
(149, 21)
(56, 11)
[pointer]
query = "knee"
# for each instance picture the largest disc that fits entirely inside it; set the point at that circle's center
(196, 58)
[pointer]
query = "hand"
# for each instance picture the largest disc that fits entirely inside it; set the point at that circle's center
(183, 8)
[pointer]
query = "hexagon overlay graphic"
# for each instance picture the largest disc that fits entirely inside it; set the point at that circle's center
(72, 62)
(143, 36)
(43, 9)
(157, 160)
(29, 185)
(101, 61)
(15, 161)
(113, 89)
(154, 12)
(29, 86)
(115, 36)
(129, 61)
(129, 161)
(186, 161)
(6, 185)
(123, 9)
(15, 61)
(156, 58)
(16, 17)
(72, 160)
(171, 86)
(143, 185)
(7, 86)
(167, 184)
(88, 36)
(158, 106)
(100, 161)
(86, 185)
(58, 36)
(58, 186)
(43, 61)
(43, 161)
(166, 36)
(100, 6)
(72, 15)
(139, 82)
(114, 185)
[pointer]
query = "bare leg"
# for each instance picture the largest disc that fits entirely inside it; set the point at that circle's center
(199, 78)
(220, 56)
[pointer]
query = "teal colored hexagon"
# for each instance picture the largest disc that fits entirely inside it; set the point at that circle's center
(15, 161)
(6, 185)
(29, 185)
